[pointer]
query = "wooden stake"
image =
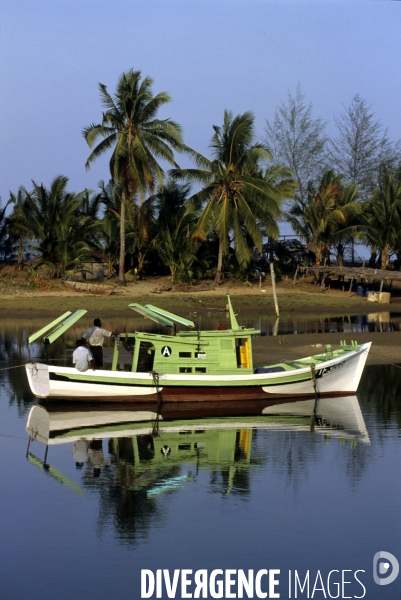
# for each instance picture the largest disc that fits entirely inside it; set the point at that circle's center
(350, 287)
(273, 277)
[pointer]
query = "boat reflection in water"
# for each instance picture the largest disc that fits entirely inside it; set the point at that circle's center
(208, 435)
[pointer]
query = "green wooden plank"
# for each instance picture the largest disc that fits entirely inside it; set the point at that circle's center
(36, 335)
(55, 334)
(56, 475)
(145, 312)
(234, 322)
(115, 355)
(169, 315)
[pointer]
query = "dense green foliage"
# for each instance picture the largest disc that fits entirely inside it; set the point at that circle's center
(215, 217)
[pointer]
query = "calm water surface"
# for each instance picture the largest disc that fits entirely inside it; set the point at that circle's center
(265, 495)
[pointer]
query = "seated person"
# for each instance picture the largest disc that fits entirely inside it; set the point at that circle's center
(82, 357)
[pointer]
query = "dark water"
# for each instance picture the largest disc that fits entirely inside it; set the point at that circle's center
(272, 495)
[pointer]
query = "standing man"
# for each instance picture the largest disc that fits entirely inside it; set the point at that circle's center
(95, 336)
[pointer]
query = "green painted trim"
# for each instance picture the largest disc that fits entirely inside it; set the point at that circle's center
(165, 425)
(168, 339)
(230, 333)
(36, 335)
(199, 382)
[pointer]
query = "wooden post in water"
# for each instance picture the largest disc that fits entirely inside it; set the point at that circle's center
(350, 287)
(273, 277)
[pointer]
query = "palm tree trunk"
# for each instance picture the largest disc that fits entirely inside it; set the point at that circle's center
(385, 257)
(121, 270)
(219, 265)
(373, 257)
(340, 255)
(318, 255)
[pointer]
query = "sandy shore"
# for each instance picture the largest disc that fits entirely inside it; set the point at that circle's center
(17, 298)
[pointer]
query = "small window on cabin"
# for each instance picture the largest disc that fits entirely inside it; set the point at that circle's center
(184, 446)
(200, 370)
(185, 369)
(185, 354)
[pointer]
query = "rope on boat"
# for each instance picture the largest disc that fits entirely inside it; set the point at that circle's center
(385, 357)
(14, 367)
(155, 428)
(313, 415)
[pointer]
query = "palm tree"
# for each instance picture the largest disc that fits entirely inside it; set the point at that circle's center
(129, 126)
(382, 212)
(239, 196)
(56, 221)
(141, 231)
(327, 215)
(110, 231)
(18, 232)
(177, 218)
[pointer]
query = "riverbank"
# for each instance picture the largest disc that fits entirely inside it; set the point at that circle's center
(18, 298)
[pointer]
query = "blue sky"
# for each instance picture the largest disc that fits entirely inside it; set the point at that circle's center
(210, 55)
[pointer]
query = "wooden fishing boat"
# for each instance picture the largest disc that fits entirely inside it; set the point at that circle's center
(89, 288)
(195, 366)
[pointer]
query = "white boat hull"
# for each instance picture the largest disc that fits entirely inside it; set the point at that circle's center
(337, 376)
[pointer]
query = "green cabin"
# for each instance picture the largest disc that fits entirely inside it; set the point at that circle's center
(222, 351)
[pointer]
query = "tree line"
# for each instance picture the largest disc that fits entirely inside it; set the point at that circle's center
(154, 217)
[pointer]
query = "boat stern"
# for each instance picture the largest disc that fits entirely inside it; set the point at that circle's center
(38, 379)
(363, 357)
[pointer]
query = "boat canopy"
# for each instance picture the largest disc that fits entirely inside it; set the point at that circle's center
(163, 317)
(60, 325)
(145, 312)
(169, 315)
(37, 335)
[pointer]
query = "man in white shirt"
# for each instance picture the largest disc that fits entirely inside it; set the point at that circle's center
(95, 336)
(82, 357)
